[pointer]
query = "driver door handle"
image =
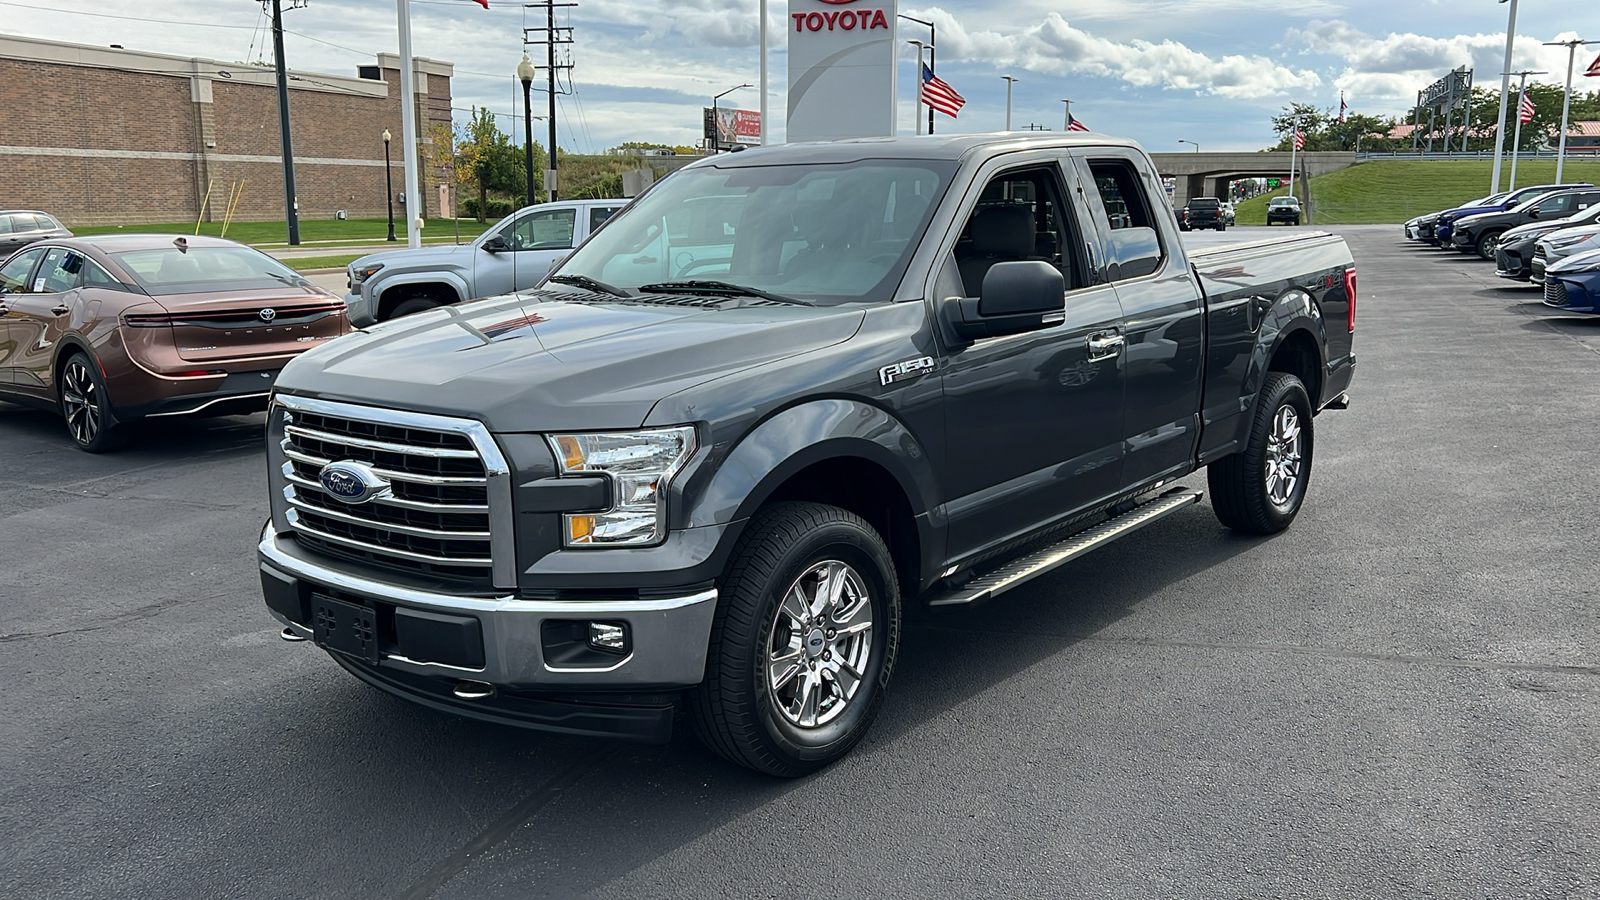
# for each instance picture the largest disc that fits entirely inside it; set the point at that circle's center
(1105, 344)
(61, 309)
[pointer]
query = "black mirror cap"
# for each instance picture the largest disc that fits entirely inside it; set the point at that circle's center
(1021, 288)
(494, 245)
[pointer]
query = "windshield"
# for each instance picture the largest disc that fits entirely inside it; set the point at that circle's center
(1284, 201)
(170, 270)
(827, 233)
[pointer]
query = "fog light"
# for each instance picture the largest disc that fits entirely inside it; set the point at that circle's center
(611, 637)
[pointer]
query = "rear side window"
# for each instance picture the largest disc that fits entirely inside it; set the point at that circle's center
(5, 224)
(45, 223)
(59, 272)
(599, 214)
(1133, 244)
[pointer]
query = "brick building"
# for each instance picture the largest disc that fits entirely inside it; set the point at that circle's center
(99, 135)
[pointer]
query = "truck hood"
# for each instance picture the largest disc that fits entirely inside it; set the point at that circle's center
(538, 362)
(445, 256)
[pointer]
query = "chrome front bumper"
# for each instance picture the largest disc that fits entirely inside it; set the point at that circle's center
(669, 635)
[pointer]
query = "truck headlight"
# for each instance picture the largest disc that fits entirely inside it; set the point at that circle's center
(362, 273)
(640, 465)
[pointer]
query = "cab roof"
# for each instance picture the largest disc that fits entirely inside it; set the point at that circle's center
(952, 147)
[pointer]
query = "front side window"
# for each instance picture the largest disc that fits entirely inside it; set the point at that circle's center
(193, 270)
(828, 233)
(549, 229)
(14, 274)
(1020, 216)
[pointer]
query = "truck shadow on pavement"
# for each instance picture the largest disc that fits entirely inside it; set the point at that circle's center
(636, 803)
(36, 430)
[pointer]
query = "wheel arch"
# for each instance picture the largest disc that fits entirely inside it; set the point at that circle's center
(422, 284)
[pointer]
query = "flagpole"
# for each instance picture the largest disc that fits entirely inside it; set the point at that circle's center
(408, 126)
(1516, 143)
(1294, 135)
(1566, 99)
(1066, 123)
(916, 112)
(763, 7)
(1505, 88)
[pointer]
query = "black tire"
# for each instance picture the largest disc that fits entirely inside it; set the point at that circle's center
(1221, 227)
(413, 305)
(1487, 242)
(1243, 494)
(736, 710)
(86, 406)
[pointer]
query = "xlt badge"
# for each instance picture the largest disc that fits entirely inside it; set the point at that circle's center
(907, 368)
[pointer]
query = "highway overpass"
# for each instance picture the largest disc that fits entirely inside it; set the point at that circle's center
(1210, 174)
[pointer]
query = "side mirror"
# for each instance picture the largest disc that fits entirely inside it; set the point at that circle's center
(496, 244)
(1017, 297)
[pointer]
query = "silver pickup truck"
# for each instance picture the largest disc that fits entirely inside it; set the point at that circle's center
(514, 255)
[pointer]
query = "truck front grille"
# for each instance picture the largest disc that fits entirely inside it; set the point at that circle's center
(434, 519)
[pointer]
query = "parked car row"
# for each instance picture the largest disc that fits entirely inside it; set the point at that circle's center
(1548, 235)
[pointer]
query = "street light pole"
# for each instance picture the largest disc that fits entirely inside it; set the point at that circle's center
(1009, 82)
(1196, 146)
(716, 127)
(388, 182)
(1566, 98)
(525, 72)
(1505, 86)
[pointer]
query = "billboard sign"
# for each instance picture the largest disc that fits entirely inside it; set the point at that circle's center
(733, 126)
(841, 69)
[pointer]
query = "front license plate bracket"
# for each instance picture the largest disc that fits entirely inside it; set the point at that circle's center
(344, 627)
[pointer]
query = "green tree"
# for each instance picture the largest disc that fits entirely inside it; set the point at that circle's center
(487, 160)
(1324, 131)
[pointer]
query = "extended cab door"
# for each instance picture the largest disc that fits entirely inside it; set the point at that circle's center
(1032, 421)
(533, 241)
(1162, 314)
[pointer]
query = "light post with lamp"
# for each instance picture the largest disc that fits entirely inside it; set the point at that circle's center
(525, 72)
(1196, 146)
(716, 127)
(1505, 87)
(388, 182)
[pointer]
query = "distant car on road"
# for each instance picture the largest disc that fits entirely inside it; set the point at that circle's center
(1227, 212)
(512, 256)
(1573, 284)
(21, 227)
(1283, 209)
(1202, 212)
(110, 329)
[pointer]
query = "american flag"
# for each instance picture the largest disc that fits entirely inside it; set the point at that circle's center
(1525, 111)
(1074, 125)
(1342, 106)
(1299, 139)
(939, 95)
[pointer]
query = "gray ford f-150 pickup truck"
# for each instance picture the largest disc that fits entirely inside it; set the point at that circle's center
(786, 393)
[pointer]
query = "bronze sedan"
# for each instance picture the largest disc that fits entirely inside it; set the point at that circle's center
(112, 329)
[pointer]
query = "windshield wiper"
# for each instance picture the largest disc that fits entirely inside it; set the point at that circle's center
(718, 287)
(592, 284)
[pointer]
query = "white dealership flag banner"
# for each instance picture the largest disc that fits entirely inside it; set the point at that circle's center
(841, 69)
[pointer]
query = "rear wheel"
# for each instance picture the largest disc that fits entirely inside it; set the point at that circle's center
(804, 642)
(1260, 490)
(87, 407)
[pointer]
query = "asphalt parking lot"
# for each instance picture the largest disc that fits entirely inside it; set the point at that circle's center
(1398, 697)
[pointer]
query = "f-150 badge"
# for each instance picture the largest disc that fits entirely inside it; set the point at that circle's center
(906, 368)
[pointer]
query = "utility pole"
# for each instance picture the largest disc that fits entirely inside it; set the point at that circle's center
(291, 214)
(552, 37)
(1566, 98)
(1505, 86)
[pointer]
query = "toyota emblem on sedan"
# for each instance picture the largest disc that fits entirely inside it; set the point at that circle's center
(268, 314)
(352, 482)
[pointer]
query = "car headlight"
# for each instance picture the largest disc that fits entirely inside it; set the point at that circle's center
(362, 273)
(1567, 241)
(640, 465)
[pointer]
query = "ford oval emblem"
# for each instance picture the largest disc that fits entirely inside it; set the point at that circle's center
(352, 482)
(268, 314)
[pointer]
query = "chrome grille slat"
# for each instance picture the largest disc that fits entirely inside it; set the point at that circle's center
(386, 551)
(399, 502)
(390, 474)
(434, 519)
(301, 503)
(370, 444)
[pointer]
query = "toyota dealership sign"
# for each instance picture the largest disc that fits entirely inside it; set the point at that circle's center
(841, 69)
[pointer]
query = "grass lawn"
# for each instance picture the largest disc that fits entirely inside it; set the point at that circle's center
(349, 231)
(308, 263)
(1392, 191)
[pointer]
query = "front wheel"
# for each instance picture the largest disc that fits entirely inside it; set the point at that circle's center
(1487, 242)
(1260, 490)
(804, 641)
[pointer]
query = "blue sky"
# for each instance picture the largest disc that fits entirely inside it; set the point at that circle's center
(1211, 71)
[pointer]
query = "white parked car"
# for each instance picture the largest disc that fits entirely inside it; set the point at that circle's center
(1564, 244)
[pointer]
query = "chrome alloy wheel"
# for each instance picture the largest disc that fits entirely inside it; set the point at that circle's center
(818, 644)
(80, 401)
(1283, 457)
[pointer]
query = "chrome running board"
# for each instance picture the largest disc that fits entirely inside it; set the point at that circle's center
(1026, 568)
